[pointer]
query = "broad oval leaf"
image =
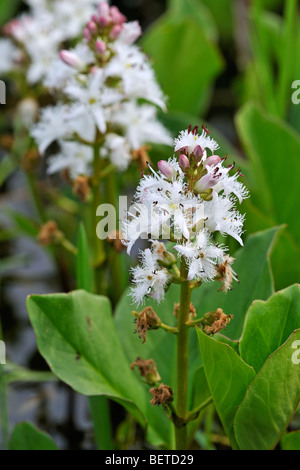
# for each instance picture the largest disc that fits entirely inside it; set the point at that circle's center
(271, 399)
(228, 378)
(77, 337)
(268, 325)
(25, 436)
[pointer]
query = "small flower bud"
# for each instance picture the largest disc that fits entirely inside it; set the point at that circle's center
(183, 161)
(206, 182)
(168, 261)
(116, 30)
(92, 26)
(87, 34)
(212, 161)
(104, 10)
(100, 46)
(166, 169)
(71, 59)
(198, 151)
(116, 15)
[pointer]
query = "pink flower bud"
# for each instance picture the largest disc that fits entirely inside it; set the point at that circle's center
(183, 161)
(212, 161)
(92, 26)
(115, 31)
(117, 16)
(104, 14)
(103, 9)
(71, 59)
(166, 169)
(198, 151)
(87, 34)
(100, 46)
(205, 183)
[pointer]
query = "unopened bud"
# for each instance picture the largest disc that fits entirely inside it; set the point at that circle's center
(168, 261)
(100, 46)
(198, 151)
(87, 34)
(212, 161)
(206, 182)
(183, 161)
(92, 26)
(117, 16)
(166, 169)
(116, 30)
(71, 59)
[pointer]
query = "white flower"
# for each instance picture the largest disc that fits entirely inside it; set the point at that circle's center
(140, 124)
(149, 278)
(194, 199)
(92, 98)
(116, 149)
(201, 256)
(10, 56)
(74, 157)
(220, 215)
(190, 140)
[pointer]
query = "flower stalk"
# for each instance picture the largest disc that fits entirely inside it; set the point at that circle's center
(182, 359)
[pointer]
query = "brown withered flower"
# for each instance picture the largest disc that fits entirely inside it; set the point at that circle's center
(219, 322)
(162, 395)
(147, 369)
(141, 156)
(81, 187)
(115, 238)
(49, 233)
(192, 312)
(146, 320)
(226, 274)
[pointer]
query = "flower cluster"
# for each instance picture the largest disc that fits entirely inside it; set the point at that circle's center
(35, 38)
(109, 98)
(190, 198)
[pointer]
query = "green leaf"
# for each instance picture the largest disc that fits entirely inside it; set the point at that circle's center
(290, 441)
(252, 265)
(78, 339)
(169, 41)
(8, 10)
(271, 400)
(269, 324)
(84, 272)
(76, 336)
(27, 437)
(266, 139)
(7, 167)
(228, 377)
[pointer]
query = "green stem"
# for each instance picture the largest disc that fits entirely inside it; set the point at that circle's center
(98, 245)
(3, 402)
(116, 269)
(195, 412)
(182, 359)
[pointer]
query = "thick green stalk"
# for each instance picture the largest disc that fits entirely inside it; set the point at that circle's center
(182, 359)
(3, 402)
(116, 270)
